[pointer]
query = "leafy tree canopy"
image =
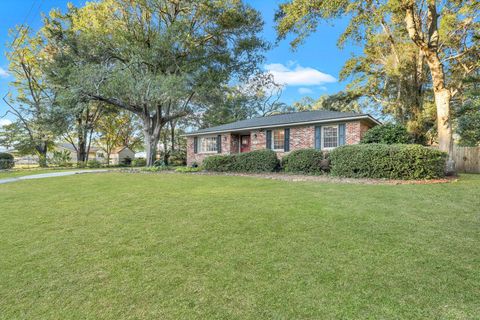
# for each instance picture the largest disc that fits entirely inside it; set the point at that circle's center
(387, 134)
(158, 59)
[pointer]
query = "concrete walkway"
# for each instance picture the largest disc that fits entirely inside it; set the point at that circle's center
(50, 175)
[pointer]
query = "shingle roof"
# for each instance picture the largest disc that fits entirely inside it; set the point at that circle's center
(286, 119)
(69, 147)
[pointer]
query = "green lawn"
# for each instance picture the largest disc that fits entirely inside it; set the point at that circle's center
(172, 246)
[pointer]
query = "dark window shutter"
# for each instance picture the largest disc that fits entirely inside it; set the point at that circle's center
(286, 146)
(318, 137)
(219, 143)
(195, 145)
(269, 139)
(341, 134)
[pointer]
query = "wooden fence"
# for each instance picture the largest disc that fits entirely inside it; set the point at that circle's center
(467, 159)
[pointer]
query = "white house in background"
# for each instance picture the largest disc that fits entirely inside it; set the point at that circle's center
(92, 154)
(119, 155)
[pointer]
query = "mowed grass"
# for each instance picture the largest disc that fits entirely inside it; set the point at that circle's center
(173, 246)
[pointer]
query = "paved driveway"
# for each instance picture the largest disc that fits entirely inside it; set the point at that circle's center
(50, 175)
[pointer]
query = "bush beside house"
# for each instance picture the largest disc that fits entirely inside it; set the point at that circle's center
(397, 161)
(306, 161)
(254, 161)
(219, 163)
(257, 161)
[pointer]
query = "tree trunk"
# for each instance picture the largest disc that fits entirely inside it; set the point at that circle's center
(428, 44)
(166, 152)
(442, 102)
(42, 155)
(87, 148)
(151, 132)
(151, 143)
(82, 143)
(172, 134)
(81, 149)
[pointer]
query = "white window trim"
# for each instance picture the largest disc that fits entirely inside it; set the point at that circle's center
(272, 140)
(201, 145)
(323, 137)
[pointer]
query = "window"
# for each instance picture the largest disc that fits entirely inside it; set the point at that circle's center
(208, 144)
(278, 139)
(330, 137)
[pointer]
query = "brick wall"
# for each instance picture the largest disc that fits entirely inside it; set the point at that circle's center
(354, 131)
(228, 141)
(301, 137)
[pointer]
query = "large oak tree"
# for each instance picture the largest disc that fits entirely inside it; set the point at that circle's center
(155, 58)
(444, 33)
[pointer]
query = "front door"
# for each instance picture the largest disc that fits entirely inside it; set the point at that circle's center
(244, 143)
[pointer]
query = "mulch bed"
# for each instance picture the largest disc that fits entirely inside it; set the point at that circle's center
(303, 178)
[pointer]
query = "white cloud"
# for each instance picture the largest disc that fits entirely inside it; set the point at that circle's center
(296, 75)
(4, 122)
(3, 73)
(304, 90)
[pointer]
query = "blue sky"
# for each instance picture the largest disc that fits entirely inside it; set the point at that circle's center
(311, 70)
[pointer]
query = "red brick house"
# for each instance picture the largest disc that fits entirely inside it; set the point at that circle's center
(320, 129)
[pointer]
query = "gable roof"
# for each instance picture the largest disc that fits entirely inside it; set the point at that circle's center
(294, 118)
(69, 147)
(119, 149)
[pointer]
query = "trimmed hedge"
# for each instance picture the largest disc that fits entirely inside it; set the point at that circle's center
(254, 161)
(6, 161)
(306, 161)
(219, 163)
(94, 164)
(396, 161)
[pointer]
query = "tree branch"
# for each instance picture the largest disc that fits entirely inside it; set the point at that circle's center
(116, 102)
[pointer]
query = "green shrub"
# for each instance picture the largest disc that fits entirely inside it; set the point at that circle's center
(305, 161)
(81, 164)
(254, 161)
(178, 158)
(127, 161)
(397, 161)
(188, 169)
(387, 134)
(94, 164)
(139, 162)
(61, 158)
(6, 161)
(159, 163)
(219, 163)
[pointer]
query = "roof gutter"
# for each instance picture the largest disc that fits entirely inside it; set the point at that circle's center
(363, 117)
